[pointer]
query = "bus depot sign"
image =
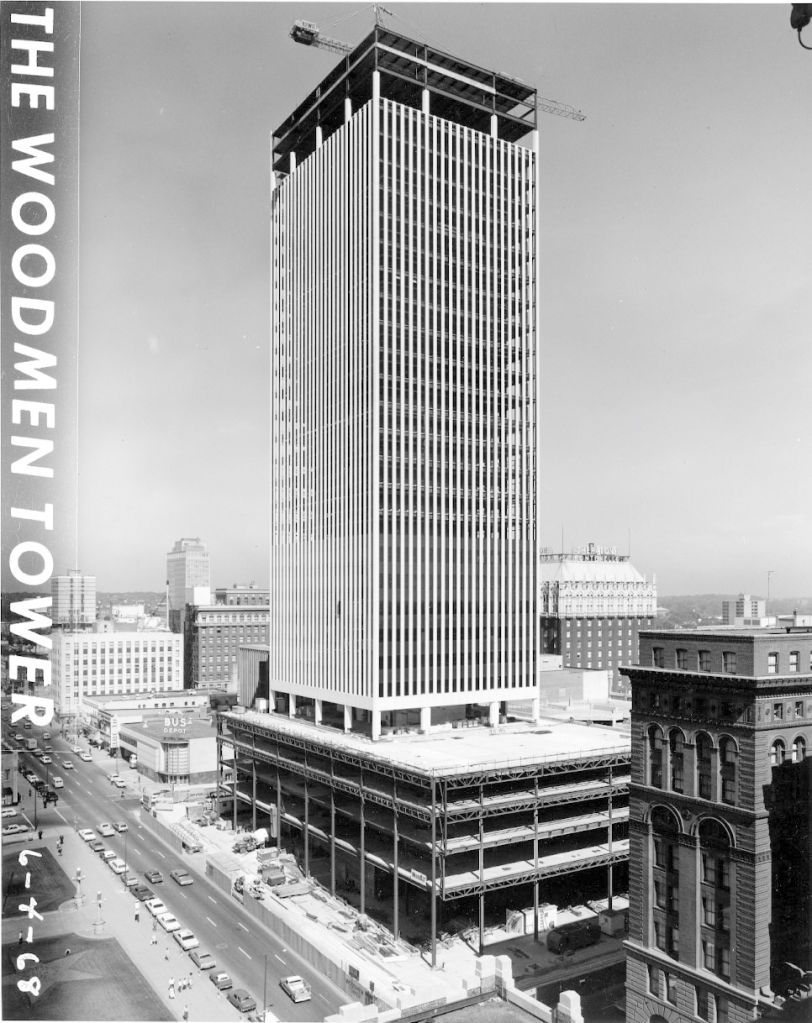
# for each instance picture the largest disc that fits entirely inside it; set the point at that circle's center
(177, 725)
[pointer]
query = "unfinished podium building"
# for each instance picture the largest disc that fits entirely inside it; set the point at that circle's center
(473, 823)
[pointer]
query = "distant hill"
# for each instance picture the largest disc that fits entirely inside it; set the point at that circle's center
(688, 611)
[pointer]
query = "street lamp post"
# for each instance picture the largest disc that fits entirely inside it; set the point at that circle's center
(265, 989)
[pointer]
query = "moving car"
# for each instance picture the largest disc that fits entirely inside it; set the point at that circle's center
(186, 939)
(156, 907)
(46, 759)
(169, 922)
(121, 826)
(295, 988)
(57, 782)
(117, 865)
(85, 756)
(76, 749)
(105, 829)
(221, 981)
(182, 877)
(87, 835)
(154, 876)
(19, 737)
(202, 960)
(46, 735)
(241, 1000)
(67, 764)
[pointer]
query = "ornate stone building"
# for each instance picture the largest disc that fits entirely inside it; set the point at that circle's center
(720, 920)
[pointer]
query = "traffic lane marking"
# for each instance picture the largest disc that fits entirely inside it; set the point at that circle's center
(242, 925)
(211, 921)
(243, 952)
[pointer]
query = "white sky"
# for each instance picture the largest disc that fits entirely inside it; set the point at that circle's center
(676, 261)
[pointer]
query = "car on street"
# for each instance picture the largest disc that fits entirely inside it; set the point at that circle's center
(97, 845)
(154, 876)
(85, 756)
(182, 877)
(131, 881)
(68, 765)
(113, 778)
(142, 893)
(19, 737)
(46, 759)
(156, 907)
(107, 854)
(186, 939)
(241, 1000)
(121, 826)
(221, 980)
(203, 960)
(117, 865)
(9, 812)
(38, 753)
(169, 922)
(105, 829)
(48, 749)
(120, 783)
(76, 749)
(295, 988)
(87, 834)
(14, 829)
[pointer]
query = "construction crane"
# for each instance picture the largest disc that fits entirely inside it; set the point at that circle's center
(308, 34)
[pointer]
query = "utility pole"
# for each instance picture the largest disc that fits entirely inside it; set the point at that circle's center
(767, 601)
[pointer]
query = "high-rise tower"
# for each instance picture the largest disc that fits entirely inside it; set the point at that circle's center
(74, 599)
(404, 307)
(187, 567)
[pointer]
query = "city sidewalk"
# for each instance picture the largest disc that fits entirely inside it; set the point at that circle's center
(156, 962)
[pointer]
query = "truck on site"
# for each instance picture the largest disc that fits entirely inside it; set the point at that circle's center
(577, 934)
(30, 744)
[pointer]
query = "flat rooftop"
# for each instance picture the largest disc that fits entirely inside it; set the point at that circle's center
(464, 750)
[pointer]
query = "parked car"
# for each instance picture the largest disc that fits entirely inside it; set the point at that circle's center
(202, 960)
(19, 737)
(221, 981)
(154, 876)
(68, 765)
(107, 854)
(76, 749)
(85, 756)
(121, 826)
(131, 881)
(156, 907)
(14, 829)
(142, 893)
(117, 865)
(120, 783)
(295, 988)
(9, 812)
(87, 834)
(113, 778)
(183, 877)
(186, 939)
(97, 845)
(169, 922)
(105, 829)
(241, 1000)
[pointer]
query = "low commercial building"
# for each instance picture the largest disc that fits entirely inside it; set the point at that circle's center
(426, 830)
(175, 749)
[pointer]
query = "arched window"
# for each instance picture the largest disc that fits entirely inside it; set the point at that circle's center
(704, 765)
(778, 753)
(798, 749)
(664, 883)
(676, 743)
(728, 760)
(715, 884)
(655, 756)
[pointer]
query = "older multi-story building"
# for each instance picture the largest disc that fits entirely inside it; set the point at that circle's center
(73, 599)
(720, 870)
(592, 604)
(247, 596)
(187, 569)
(404, 277)
(113, 664)
(213, 635)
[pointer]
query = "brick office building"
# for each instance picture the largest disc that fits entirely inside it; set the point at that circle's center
(719, 823)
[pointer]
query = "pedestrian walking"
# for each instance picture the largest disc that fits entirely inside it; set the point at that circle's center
(59, 850)
(154, 939)
(171, 987)
(137, 912)
(21, 938)
(189, 981)
(186, 1012)
(39, 835)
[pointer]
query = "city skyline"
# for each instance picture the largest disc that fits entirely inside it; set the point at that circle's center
(673, 244)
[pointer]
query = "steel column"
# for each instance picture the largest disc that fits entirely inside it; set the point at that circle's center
(433, 875)
(481, 871)
(536, 860)
(611, 866)
(363, 857)
(253, 795)
(306, 830)
(332, 842)
(396, 878)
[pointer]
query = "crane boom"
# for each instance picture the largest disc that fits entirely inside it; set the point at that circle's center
(308, 34)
